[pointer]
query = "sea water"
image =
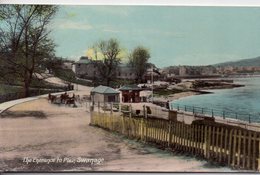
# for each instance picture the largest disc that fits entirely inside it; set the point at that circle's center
(242, 103)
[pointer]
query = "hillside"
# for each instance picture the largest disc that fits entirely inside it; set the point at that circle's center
(240, 63)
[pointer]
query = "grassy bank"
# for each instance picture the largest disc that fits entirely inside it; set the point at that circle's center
(166, 92)
(5, 89)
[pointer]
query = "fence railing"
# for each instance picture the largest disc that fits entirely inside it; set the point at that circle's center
(131, 110)
(243, 116)
(224, 144)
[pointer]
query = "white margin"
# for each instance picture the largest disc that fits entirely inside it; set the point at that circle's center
(237, 3)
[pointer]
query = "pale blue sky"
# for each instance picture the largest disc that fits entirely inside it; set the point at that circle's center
(174, 35)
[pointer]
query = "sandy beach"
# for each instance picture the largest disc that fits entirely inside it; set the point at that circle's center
(39, 129)
(176, 96)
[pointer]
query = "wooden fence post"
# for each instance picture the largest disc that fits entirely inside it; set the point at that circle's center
(234, 148)
(249, 150)
(142, 129)
(208, 142)
(119, 107)
(221, 145)
(226, 145)
(130, 111)
(254, 151)
(244, 149)
(258, 154)
(170, 133)
(111, 107)
(178, 135)
(201, 140)
(193, 144)
(239, 148)
(230, 146)
(123, 125)
(217, 143)
(189, 138)
(196, 138)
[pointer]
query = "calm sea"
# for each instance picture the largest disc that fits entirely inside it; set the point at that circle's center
(243, 102)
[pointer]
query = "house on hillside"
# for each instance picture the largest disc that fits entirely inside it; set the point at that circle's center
(130, 93)
(86, 68)
(104, 94)
(125, 71)
(67, 65)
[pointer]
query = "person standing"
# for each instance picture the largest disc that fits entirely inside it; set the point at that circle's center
(167, 104)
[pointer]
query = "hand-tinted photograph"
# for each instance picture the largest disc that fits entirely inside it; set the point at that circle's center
(110, 88)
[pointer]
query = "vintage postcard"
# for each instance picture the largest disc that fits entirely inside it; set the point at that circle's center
(116, 88)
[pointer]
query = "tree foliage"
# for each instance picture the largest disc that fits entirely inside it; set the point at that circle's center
(110, 60)
(24, 41)
(138, 59)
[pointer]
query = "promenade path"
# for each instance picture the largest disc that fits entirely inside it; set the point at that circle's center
(33, 128)
(81, 90)
(6, 105)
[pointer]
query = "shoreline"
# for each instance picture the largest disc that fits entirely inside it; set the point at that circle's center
(162, 100)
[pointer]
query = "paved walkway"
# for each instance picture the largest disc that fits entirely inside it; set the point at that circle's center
(6, 105)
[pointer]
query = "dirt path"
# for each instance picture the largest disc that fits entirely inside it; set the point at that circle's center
(40, 131)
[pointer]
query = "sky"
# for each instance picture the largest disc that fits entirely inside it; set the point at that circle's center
(173, 35)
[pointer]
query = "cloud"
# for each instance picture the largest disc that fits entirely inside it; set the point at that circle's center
(112, 30)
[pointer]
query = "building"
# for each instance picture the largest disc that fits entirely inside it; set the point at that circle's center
(152, 74)
(86, 68)
(130, 93)
(208, 70)
(67, 65)
(104, 94)
(182, 71)
(125, 72)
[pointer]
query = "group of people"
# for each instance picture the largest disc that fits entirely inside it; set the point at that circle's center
(64, 98)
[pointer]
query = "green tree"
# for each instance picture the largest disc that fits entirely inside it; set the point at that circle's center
(110, 60)
(25, 41)
(138, 59)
